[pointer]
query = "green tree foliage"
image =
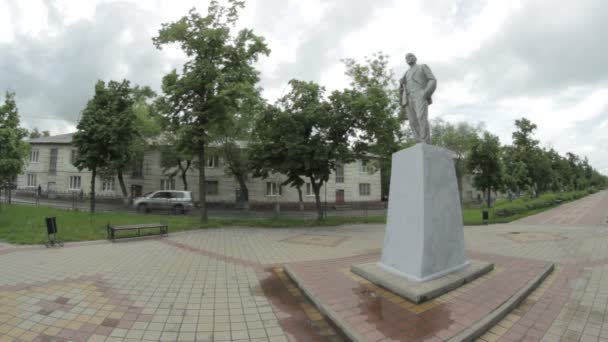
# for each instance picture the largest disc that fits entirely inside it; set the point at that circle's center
(373, 100)
(133, 122)
(176, 155)
(13, 150)
(532, 169)
(485, 165)
(92, 136)
(233, 141)
(218, 74)
(458, 138)
(35, 133)
(303, 136)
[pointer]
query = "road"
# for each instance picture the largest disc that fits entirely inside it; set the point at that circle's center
(212, 212)
(591, 210)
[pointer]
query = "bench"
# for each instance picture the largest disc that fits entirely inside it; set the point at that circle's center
(164, 229)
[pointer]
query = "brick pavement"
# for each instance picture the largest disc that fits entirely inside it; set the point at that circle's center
(226, 284)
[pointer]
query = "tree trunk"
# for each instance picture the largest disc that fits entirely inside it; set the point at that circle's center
(489, 197)
(301, 199)
(123, 187)
(10, 193)
(202, 187)
(244, 191)
(93, 175)
(459, 174)
(184, 171)
(317, 189)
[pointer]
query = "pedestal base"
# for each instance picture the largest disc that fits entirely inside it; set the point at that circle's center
(417, 291)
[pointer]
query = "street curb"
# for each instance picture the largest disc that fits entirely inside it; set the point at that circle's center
(487, 322)
(340, 324)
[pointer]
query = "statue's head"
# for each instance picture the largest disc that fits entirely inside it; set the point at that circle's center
(410, 58)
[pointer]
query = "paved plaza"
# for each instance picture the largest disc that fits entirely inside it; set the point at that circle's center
(229, 284)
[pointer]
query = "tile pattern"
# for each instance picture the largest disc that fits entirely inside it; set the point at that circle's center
(317, 239)
(533, 236)
(222, 284)
(74, 309)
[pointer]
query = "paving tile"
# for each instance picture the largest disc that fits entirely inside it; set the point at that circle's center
(204, 278)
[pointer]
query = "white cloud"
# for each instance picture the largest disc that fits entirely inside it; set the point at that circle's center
(496, 61)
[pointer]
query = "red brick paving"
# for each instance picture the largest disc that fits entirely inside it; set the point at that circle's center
(376, 318)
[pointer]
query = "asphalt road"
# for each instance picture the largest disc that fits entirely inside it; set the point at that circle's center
(212, 212)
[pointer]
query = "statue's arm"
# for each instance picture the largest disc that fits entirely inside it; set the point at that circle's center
(402, 98)
(432, 81)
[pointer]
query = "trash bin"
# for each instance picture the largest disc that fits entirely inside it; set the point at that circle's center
(51, 225)
(51, 229)
(485, 215)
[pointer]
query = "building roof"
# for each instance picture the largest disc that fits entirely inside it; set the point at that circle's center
(55, 139)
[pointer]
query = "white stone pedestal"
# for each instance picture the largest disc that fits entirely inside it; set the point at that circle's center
(424, 236)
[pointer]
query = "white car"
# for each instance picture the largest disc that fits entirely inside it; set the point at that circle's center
(178, 201)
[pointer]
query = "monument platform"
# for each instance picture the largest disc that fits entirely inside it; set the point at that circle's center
(368, 312)
(418, 292)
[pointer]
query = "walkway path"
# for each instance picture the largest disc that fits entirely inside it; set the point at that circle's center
(227, 284)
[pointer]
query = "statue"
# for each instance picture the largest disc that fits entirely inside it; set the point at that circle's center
(415, 89)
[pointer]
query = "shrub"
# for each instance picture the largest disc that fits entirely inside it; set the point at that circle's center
(527, 203)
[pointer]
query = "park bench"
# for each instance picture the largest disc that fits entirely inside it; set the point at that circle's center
(164, 229)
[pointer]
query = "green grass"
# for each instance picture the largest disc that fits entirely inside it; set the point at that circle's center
(23, 224)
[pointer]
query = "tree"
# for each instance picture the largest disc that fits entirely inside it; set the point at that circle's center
(303, 136)
(35, 133)
(484, 164)
(373, 100)
(458, 138)
(129, 115)
(176, 156)
(233, 140)
(13, 150)
(219, 72)
(93, 140)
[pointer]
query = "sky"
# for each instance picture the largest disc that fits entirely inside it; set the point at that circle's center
(495, 61)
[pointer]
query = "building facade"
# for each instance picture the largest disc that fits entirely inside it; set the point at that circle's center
(51, 170)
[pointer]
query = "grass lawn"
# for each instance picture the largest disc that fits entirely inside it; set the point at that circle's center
(24, 224)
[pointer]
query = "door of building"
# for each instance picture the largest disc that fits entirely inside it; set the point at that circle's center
(339, 196)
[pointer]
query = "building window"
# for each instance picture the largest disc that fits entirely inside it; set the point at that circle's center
(73, 155)
(339, 173)
(138, 168)
(75, 182)
(53, 162)
(167, 184)
(31, 180)
(34, 156)
(309, 191)
(272, 189)
(107, 184)
(212, 188)
(211, 161)
(364, 189)
(364, 167)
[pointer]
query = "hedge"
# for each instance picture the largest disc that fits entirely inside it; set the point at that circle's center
(521, 205)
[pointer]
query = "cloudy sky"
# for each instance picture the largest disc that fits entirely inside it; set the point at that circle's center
(495, 61)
